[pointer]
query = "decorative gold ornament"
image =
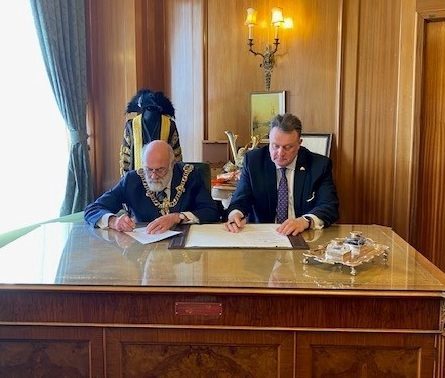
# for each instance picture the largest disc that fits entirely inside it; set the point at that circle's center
(166, 204)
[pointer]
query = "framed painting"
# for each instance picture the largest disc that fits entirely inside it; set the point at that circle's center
(263, 107)
(319, 143)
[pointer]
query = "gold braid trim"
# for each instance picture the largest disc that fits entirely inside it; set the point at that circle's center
(165, 206)
(165, 128)
(137, 141)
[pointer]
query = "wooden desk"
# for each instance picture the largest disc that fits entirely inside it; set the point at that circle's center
(80, 302)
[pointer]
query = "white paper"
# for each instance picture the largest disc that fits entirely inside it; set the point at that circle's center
(140, 234)
(251, 236)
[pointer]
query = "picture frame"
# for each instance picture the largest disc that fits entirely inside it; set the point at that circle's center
(263, 107)
(319, 143)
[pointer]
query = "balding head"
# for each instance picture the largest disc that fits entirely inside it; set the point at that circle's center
(158, 160)
(157, 154)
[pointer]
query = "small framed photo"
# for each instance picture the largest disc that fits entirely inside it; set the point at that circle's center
(263, 107)
(319, 143)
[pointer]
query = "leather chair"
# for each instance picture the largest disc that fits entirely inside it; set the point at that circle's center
(204, 170)
(206, 173)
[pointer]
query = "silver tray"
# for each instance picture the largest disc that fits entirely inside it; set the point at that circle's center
(367, 251)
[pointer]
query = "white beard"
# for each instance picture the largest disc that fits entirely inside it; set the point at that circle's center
(158, 184)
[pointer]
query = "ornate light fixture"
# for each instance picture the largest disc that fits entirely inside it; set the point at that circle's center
(268, 55)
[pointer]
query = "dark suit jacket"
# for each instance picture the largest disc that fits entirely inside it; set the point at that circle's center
(130, 190)
(314, 189)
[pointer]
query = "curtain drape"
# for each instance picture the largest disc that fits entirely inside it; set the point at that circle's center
(61, 31)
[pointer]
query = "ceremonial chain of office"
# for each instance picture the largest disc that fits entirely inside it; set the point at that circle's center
(165, 205)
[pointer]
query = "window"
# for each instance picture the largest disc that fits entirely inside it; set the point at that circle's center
(34, 143)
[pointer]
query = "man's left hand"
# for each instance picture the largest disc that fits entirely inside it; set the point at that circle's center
(163, 223)
(293, 226)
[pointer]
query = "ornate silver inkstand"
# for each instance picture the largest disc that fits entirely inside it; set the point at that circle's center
(351, 251)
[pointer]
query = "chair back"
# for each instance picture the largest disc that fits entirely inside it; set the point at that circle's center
(204, 170)
(318, 142)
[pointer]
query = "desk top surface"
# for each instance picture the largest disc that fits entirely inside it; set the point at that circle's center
(74, 256)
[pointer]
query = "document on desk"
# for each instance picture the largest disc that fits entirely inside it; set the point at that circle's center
(140, 234)
(252, 236)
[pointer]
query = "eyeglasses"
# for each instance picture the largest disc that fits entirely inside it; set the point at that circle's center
(157, 171)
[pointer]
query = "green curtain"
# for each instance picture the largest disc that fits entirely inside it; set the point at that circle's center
(61, 31)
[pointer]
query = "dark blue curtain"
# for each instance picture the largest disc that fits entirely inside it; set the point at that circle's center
(61, 30)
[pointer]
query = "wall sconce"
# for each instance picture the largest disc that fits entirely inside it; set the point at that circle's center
(268, 55)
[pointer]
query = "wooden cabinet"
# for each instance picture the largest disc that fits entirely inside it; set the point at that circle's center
(46, 351)
(366, 354)
(66, 351)
(199, 353)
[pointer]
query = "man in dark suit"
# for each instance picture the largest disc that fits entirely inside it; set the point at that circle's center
(163, 193)
(284, 183)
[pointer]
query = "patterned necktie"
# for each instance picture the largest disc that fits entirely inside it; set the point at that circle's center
(160, 196)
(283, 197)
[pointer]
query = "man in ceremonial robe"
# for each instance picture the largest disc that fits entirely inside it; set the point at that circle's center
(154, 121)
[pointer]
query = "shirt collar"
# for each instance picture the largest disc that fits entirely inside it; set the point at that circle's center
(291, 166)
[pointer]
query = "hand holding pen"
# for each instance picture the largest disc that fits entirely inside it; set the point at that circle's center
(126, 209)
(124, 223)
(236, 222)
(129, 215)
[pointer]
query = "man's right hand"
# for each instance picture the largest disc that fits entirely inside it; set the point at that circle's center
(235, 223)
(123, 223)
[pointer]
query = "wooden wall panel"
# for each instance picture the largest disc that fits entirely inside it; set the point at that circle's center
(376, 110)
(231, 70)
(310, 66)
(149, 53)
(306, 64)
(184, 60)
(344, 164)
(429, 224)
(404, 172)
(124, 46)
(113, 82)
(366, 184)
(430, 8)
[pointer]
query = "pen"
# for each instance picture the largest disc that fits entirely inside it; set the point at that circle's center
(126, 209)
(232, 222)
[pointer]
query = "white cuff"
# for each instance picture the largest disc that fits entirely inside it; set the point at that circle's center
(191, 217)
(103, 222)
(233, 212)
(318, 224)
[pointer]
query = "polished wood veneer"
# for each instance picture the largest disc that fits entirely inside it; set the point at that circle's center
(307, 310)
(69, 291)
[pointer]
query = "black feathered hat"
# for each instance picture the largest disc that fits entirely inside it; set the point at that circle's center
(146, 99)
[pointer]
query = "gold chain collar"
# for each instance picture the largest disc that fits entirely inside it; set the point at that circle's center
(166, 204)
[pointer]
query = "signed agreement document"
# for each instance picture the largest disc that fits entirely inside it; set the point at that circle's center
(140, 234)
(252, 236)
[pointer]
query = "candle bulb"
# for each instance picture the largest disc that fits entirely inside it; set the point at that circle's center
(277, 19)
(251, 21)
(250, 31)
